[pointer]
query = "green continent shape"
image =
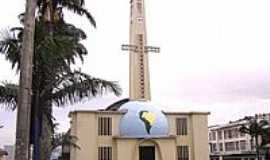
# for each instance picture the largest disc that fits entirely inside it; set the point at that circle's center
(146, 121)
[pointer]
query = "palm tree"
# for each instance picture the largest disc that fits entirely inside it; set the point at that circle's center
(265, 144)
(51, 11)
(266, 135)
(255, 128)
(65, 141)
(54, 81)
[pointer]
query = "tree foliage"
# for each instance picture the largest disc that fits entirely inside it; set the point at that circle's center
(57, 47)
(64, 139)
(257, 129)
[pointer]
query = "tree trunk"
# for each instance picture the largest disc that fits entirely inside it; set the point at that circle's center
(257, 148)
(36, 123)
(24, 95)
(46, 132)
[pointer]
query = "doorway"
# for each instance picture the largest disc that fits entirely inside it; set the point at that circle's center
(147, 152)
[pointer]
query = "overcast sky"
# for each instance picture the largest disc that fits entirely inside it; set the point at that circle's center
(215, 55)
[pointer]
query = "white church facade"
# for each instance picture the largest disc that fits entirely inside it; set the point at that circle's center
(123, 135)
(134, 128)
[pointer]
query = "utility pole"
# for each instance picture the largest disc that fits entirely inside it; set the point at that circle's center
(22, 150)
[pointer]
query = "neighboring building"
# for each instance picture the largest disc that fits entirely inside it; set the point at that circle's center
(3, 154)
(227, 143)
(11, 152)
(139, 131)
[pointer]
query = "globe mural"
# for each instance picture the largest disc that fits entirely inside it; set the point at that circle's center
(142, 120)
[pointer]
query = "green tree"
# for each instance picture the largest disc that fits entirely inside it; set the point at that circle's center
(54, 80)
(256, 129)
(65, 141)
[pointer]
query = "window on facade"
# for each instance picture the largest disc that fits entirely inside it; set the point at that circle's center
(181, 126)
(214, 145)
(225, 134)
(243, 145)
(104, 126)
(236, 132)
(104, 153)
(210, 136)
(182, 153)
(242, 134)
(211, 148)
(230, 146)
(220, 135)
(220, 147)
(214, 135)
(230, 134)
(237, 146)
(233, 133)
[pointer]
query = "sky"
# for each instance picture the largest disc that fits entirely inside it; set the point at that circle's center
(215, 56)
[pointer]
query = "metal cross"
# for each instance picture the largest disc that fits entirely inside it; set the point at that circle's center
(134, 48)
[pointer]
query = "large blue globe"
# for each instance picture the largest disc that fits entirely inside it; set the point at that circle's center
(142, 120)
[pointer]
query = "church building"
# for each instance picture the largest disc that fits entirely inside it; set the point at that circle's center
(134, 128)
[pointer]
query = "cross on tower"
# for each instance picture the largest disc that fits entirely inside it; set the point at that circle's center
(139, 82)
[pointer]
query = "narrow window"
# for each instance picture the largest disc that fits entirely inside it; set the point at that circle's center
(243, 145)
(104, 153)
(214, 147)
(220, 135)
(214, 135)
(181, 126)
(220, 147)
(182, 153)
(237, 146)
(104, 126)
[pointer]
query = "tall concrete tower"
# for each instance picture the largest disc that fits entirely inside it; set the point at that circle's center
(139, 81)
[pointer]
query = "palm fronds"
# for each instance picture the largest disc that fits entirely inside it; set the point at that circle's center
(64, 139)
(76, 6)
(8, 95)
(10, 46)
(76, 85)
(255, 128)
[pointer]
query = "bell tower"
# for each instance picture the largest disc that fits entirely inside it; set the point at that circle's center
(139, 81)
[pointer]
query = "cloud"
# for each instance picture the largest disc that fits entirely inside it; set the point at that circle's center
(222, 86)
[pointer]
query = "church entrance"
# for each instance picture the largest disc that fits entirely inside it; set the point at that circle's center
(147, 152)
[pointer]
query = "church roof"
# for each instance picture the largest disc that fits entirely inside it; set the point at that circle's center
(115, 106)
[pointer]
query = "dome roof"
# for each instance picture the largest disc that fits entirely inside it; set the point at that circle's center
(142, 120)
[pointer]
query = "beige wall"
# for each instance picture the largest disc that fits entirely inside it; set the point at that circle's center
(84, 126)
(184, 139)
(86, 134)
(200, 137)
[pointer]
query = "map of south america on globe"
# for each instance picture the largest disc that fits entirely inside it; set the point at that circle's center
(148, 118)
